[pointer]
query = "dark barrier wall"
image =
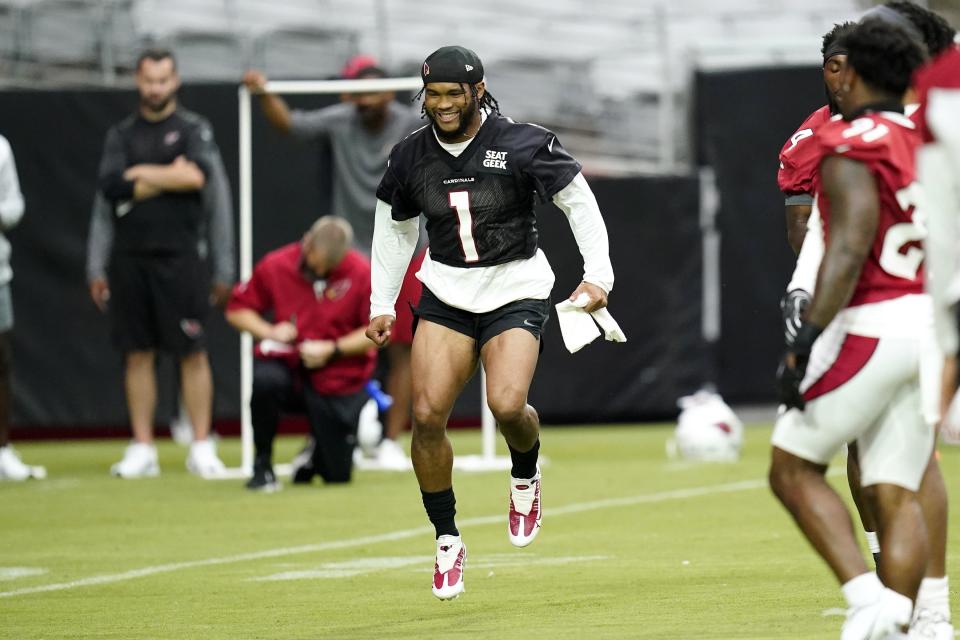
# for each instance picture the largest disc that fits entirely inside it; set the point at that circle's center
(67, 373)
(742, 121)
(655, 247)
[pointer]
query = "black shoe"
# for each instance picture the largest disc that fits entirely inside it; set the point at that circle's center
(264, 480)
(302, 467)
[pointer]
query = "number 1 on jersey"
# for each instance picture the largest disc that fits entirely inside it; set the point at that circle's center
(460, 202)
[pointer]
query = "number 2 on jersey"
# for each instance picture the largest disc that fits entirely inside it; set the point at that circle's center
(460, 202)
(901, 256)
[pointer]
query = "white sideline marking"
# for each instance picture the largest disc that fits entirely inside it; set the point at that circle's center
(12, 573)
(351, 568)
(403, 534)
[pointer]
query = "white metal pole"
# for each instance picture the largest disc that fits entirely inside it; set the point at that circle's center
(667, 105)
(488, 426)
(246, 267)
(409, 83)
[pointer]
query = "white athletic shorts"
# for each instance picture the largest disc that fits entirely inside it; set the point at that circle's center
(880, 390)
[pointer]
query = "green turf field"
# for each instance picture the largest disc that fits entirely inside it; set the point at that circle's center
(633, 546)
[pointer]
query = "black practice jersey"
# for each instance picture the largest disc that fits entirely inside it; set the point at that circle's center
(170, 222)
(479, 206)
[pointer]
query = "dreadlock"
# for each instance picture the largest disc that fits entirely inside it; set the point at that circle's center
(937, 34)
(487, 101)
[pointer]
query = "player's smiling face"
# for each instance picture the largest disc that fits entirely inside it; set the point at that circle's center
(452, 109)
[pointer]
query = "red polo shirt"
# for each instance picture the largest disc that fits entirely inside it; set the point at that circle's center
(323, 310)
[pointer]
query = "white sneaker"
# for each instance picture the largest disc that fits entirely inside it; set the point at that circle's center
(448, 569)
(12, 468)
(523, 521)
(203, 461)
(390, 455)
(139, 461)
(930, 625)
(879, 620)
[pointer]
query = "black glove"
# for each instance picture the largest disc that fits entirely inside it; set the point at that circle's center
(792, 369)
(792, 306)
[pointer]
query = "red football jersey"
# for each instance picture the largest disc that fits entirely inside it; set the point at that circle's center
(800, 156)
(322, 310)
(886, 142)
(943, 72)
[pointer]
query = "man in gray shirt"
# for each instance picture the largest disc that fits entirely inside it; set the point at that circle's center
(361, 130)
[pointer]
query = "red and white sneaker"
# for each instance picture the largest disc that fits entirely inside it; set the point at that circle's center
(448, 570)
(523, 525)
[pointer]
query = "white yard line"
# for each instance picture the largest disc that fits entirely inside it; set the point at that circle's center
(550, 512)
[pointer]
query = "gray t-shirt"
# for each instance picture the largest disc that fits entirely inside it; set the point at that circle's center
(359, 158)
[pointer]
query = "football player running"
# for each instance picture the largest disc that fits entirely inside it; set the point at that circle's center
(862, 382)
(475, 175)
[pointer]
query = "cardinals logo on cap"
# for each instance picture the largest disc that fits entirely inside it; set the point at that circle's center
(426, 69)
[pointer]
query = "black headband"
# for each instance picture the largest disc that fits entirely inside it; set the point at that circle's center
(836, 48)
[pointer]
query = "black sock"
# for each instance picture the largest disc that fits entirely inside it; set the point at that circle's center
(441, 508)
(876, 561)
(524, 463)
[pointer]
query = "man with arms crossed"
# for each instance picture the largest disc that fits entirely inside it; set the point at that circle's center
(877, 341)
(155, 166)
(474, 174)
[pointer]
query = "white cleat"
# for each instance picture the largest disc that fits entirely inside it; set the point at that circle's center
(203, 461)
(930, 625)
(12, 467)
(882, 619)
(139, 461)
(523, 522)
(390, 455)
(448, 570)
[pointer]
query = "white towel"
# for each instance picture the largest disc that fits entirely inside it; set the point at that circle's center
(578, 328)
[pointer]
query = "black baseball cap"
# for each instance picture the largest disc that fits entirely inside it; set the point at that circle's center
(452, 64)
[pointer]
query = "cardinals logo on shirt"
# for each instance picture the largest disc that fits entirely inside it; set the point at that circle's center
(337, 289)
(171, 138)
(191, 328)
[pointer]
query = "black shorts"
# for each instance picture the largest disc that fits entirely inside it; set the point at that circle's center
(526, 314)
(159, 302)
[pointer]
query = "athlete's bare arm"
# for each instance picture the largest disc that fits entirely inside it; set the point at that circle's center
(797, 217)
(854, 213)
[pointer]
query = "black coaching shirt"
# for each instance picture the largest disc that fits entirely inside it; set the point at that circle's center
(479, 206)
(171, 222)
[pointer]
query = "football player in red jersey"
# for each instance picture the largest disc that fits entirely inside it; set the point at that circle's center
(798, 157)
(861, 379)
(799, 160)
(937, 87)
